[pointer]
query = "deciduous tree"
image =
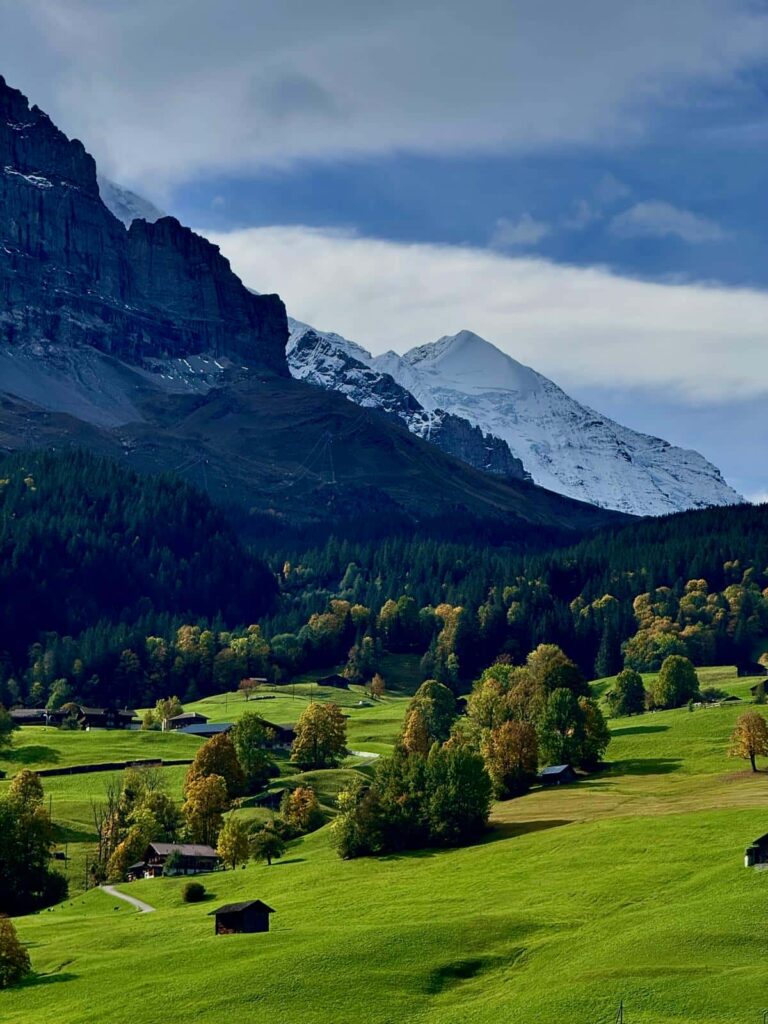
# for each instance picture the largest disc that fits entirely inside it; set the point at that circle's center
(233, 846)
(321, 736)
(206, 802)
(750, 737)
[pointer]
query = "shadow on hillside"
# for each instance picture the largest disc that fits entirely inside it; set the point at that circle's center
(512, 829)
(47, 979)
(646, 766)
(638, 730)
(288, 860)
(66, 834)
(30, 754)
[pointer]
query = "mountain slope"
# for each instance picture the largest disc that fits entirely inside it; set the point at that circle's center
(563, 445)
(332, 362)
(126, 205)
(143, 345)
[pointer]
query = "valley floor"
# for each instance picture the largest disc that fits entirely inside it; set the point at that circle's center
(627, 885)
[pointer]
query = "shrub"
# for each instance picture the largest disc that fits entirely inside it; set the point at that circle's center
(14, 959)
(193, 892)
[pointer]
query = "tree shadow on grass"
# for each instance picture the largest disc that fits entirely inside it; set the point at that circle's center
(47, 979)
(31, 754)
(512, 829)
(65, 834)
(646, 766)
(289, 860)
(639, 730)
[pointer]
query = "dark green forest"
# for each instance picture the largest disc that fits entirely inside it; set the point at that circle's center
(123, 588)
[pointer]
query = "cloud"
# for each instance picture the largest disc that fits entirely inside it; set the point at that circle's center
(655, 218)
(580, 326)
(761, 498)
(164, 92)
(522, 233)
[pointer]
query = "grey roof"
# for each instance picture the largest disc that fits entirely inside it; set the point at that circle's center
(206, 729)
(191, 715)
(185, 849)
(556, 769)
(233, 908)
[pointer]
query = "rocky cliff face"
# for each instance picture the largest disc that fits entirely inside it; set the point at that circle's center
(332, 362)
(71, 274)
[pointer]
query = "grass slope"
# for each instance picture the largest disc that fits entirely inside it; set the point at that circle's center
(627, 885)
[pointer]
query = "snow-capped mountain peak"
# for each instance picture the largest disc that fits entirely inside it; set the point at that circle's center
(564, 445)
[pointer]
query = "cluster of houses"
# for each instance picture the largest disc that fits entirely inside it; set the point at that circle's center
(86, 717)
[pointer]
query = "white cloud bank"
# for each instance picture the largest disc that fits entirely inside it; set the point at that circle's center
(580, 326)
(160, 92)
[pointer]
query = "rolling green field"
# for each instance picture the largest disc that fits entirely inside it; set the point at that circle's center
(627, 885)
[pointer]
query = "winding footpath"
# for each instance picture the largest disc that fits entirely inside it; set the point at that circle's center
(142, 907)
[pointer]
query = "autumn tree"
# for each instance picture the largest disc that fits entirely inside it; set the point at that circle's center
(206, 802)
(415, 737)
(750, 737)
(14, 958)
(437, 705)
(233, 845)
(552, 670)
(300, 810)
(377, 686)
(266, 845)
(218, 756)
(511, 756)
(321, 736)
(596, 734)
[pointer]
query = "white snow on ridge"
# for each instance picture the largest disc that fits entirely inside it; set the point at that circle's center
(127, 206)
(565, 446)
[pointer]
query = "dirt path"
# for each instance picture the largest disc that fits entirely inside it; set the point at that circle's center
(144, 908)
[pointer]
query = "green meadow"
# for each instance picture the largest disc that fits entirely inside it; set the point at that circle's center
(627, 885)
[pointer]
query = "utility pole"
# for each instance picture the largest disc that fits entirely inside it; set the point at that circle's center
(620, 1014)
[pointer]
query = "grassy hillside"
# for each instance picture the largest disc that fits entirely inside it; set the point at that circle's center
(579, 897)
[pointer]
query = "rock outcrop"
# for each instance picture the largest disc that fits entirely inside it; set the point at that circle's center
(70, 272)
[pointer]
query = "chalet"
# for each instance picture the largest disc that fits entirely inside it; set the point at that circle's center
(340, 682)
(757, 852)
(283, 732)
(193, 858)
(206, 729)
(106, 718)
(246, 917)
(557, 775)
(184, 719)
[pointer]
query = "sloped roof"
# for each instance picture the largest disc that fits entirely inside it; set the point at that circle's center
(556, 769)
(234, 908)
(206, 728)
(185, 849)
(189, 716)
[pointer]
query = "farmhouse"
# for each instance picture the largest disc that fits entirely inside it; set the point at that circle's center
(557, 775)
(105, 718)
(192, 859)
(757, 852)
(284, 733)
(246, 917)
(271, 798)
(186, 718)
(37, 716)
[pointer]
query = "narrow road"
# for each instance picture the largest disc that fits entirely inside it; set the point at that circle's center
(144, 908)
(367, 754)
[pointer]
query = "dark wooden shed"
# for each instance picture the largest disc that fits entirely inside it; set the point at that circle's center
(246, 917)
(756, 853)
(557, 775)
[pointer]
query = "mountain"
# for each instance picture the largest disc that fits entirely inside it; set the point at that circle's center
(141, 344)
(332, 362)
(563, 445)
(127, 206)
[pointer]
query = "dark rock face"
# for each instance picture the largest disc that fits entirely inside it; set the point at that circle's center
(323, 361)
(71, 274)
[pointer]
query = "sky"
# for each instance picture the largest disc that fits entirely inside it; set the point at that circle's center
(583, 184)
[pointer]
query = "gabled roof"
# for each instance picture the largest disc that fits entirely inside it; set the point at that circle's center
(206, 728)
(234, 908)
(185, 849)
(556, 769)
(189, 716)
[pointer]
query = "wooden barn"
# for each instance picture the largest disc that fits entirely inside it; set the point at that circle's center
(106, 718)
(757, 852)
(192, 859)
(246, 917)
(283, 732)
(557, 775)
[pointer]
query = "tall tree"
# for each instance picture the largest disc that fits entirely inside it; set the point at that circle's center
(749, 739)
(203, 810)
(321, 736)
